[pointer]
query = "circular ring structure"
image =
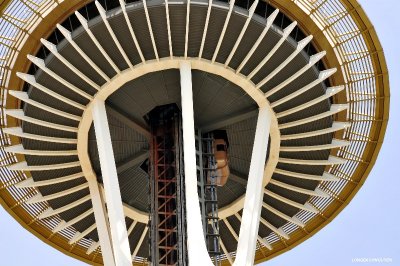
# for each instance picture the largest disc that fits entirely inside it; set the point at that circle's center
(341, 38)
(154, 66)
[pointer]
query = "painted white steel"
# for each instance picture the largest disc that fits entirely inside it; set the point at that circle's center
(336, 126)
(230, 228)
(139, 243)
(128, 22)
(278, 231)
(23, 166)
(68, 36)
(93, 247)
(293, 220)
(163, 64)
(85, 25)
(264, 242)
(100, 216)
(168, 28)
(23, 96)
(233, 233)
(303, 43)
(254, 192)
(329, 93)
(63, 225)
(146, 11)
(221, 37)
(197, 251)
(40, 63)
(317, 192)
(111, 31)
(119, 235)
(325, 176)
(31, 183)
(32, 81)
(19, 114)
(131, 227)
(40, 198)
(203, 39)
(259, 238)
(129, 211)
(53, 49)
(335, 108)
(286, 33)
(313, 59)
(79, 235)
(19, 149)
(321, 77)
(227, 254)
(17, 131)
(336, 143)
(331, 161)
(187, 28)
(167, 63)
(136, 215)
(50, 212)
(306, 206)
(268, 25)
(252, 9)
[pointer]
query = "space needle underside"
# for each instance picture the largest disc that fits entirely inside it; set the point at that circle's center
(117, 117)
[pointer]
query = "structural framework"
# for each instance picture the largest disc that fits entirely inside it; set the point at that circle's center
(112, 114)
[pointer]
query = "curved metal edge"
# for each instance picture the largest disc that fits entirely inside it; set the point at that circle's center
(60, 12)
(383, 87)
(383, 84)
(204, 65)
(3, 5)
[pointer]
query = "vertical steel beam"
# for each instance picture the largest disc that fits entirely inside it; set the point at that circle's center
(119, 235)
(254, 192)
(197, 251)
(202, 181)
(100, 217)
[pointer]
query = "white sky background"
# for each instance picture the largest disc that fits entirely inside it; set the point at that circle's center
(368, 228)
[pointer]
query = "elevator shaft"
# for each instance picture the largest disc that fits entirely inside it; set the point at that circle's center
(207, 188)
(167, 216)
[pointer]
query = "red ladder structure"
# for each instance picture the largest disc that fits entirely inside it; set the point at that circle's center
(167, 221)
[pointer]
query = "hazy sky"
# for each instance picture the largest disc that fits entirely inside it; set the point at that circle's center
(366, 228)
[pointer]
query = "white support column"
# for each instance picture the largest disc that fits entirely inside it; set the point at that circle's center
(100, 217)
(197, 251)
(119, 235)
(254, 193)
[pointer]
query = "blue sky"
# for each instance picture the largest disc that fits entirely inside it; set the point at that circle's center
(366, 228)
